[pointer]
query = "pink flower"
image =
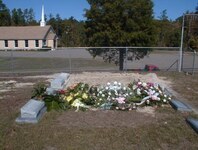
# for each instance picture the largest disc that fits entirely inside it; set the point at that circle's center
(121, 100)
(154, 97)
(150, 84)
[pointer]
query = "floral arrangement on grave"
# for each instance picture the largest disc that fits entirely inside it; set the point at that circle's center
(111, 96)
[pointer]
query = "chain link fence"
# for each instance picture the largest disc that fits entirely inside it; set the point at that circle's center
(190, 61)
(93, 59)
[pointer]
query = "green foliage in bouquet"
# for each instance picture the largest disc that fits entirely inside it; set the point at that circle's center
(39, 91)
(55, 102)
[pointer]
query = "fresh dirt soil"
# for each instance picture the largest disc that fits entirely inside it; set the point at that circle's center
(101, 78)
(148, 128)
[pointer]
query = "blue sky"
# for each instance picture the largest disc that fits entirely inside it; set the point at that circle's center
(75, 8)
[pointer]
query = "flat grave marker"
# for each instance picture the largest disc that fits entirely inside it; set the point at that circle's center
(31, 112)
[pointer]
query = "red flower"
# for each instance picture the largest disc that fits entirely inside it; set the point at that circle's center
(61, 92)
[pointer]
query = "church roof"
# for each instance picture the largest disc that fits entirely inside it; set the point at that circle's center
(25, 32)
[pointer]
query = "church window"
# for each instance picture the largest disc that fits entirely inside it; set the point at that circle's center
(26, 43)
(6, 43)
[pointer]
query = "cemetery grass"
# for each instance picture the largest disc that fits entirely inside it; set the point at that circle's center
(185, 85)
(97, 130)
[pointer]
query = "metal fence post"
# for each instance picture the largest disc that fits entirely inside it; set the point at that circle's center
(126, 53)
(193, 67)
(70, 62)
(12, 59)
(181, 47)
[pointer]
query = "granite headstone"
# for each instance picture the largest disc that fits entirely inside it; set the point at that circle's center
(31, 112)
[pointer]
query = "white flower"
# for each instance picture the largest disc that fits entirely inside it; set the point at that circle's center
(103, 95)
(117, 107)
(124, 88)
(100, 99)
(98, 104)
(139, 83)
(109, 93)
(119, 84)
(106, 88)
(144, 84)
(165, 95)
(138, 91)
(147, 102)
(100, 92)
(127, 94)
(169, 98)
(164, 100)
(115, 83)
(108, 84)
(134, 106)
(130, 93)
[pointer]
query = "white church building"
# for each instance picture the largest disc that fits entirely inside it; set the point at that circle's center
(28, 37)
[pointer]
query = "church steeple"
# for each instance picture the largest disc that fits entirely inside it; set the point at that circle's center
(42, 22)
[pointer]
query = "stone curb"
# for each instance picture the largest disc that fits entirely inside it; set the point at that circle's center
(193, 123)
(180, 106)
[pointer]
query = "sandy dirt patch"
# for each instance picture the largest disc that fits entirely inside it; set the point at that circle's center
(102, 78)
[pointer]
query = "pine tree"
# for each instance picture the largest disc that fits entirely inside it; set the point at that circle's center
(120, 23)
(5, 18)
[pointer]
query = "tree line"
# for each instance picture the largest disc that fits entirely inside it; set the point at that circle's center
(71, 32)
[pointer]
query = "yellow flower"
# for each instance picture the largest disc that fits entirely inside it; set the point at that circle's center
(76, 94)
(69, 98)
(84, 96)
